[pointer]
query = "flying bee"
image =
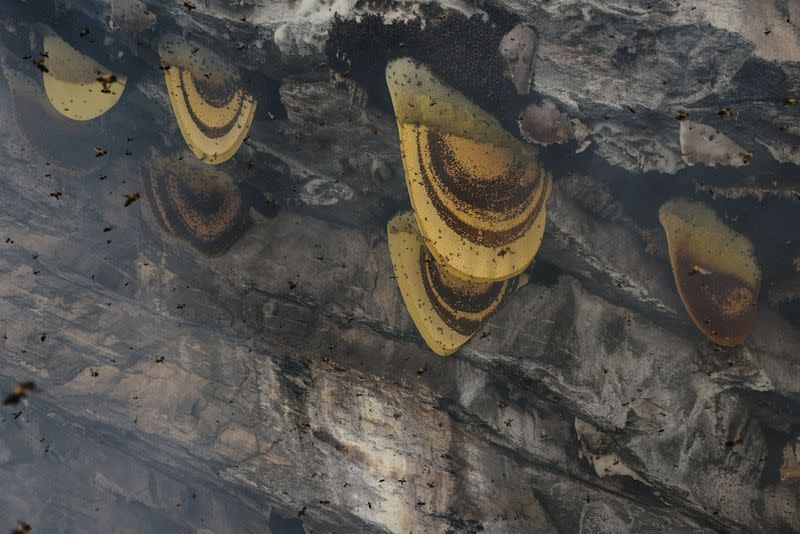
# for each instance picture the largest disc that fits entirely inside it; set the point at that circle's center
(40, 65)
(19, 392)
(130, 198)
(697, 269)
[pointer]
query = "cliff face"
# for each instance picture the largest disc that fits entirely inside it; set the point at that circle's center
(282, 386)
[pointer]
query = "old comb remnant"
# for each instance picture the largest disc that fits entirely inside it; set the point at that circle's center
(446, 310)
(197, 204)
(478, 193)
(77, 86)
(67, 144)
(715, 270)
(214, 114)
(790, 467)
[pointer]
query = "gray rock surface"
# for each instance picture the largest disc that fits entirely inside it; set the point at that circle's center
(282, 386)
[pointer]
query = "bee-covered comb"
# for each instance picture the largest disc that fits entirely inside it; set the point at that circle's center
(196, 203)
(214, 114)
(478, 193)
(76, 85)
(715, 270)
(446, 310)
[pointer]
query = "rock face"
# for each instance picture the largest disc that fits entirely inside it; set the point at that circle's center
(281, 386)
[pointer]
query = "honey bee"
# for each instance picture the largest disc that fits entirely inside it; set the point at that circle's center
(697, 269)
(40, 65)
(106, 80)
(19, 392)
(130, 198)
